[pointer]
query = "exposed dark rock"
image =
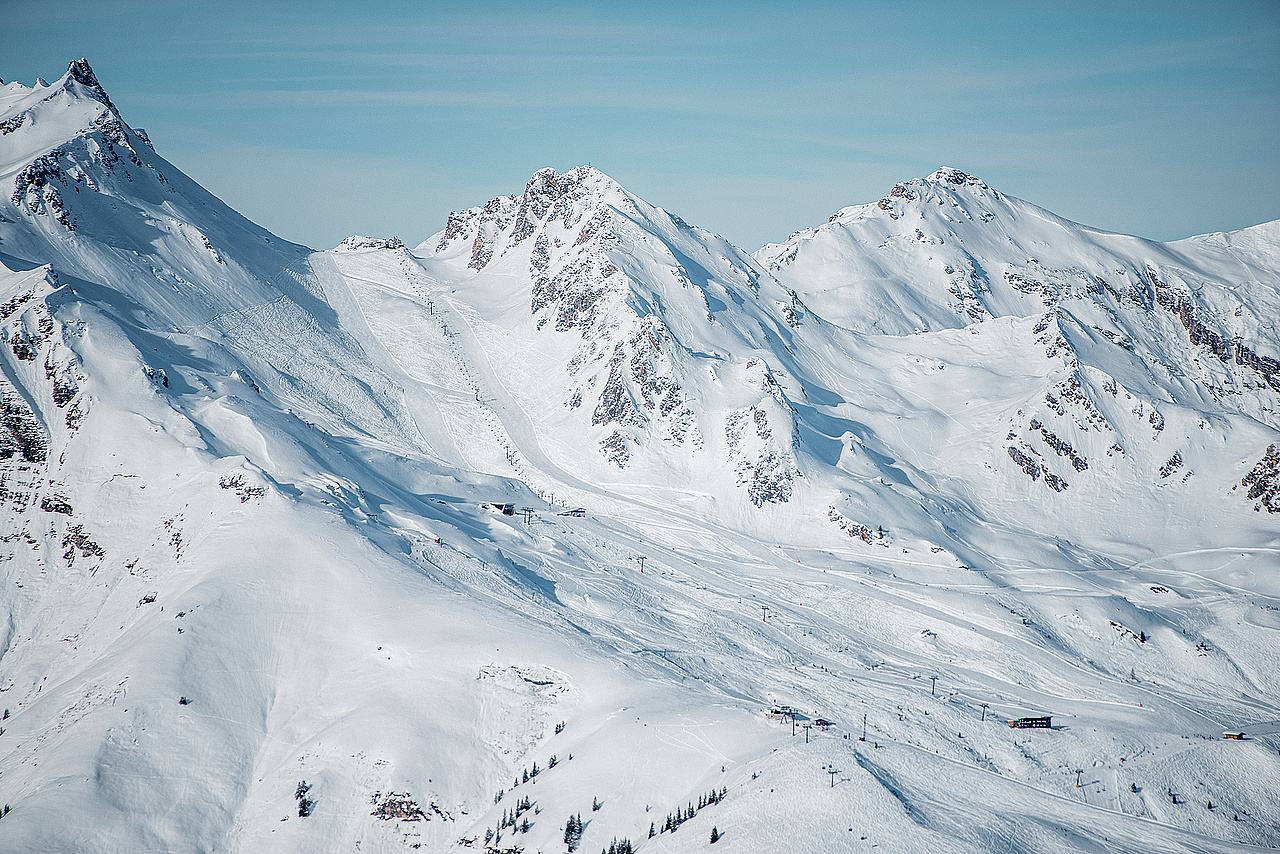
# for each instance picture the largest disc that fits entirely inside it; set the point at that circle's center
(541, 257)
(76, 538)
(1062, 447)
(855, 529)
(577, 291)
(1264, 481)
(397, 805)
(83, 74)
(11, 306)
(242, 488)
(20, 430)
(1265, 366)
(616, 449)
(1030, 466)
(481, 252)
(357, 241)
(1048, 294)
(768, 479)
(1179, 303)
(1070, 392)
(769, 474)
(55, 504)
(616, 405)
(36, 188)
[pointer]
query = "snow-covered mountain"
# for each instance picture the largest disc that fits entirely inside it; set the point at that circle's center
(646, 337)
(385, 549)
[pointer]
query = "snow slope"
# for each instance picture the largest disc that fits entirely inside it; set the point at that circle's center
(942, 462)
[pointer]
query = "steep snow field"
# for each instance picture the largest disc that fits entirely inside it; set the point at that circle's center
(945, 461)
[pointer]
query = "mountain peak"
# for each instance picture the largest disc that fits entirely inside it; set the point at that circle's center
(80, 71)
(546, 187)
(506, 221)
(78, 88)
(951, 175)
(82, 82)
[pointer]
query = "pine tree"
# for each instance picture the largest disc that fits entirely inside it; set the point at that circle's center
(573, 831)
(651, 833)
(715, 835)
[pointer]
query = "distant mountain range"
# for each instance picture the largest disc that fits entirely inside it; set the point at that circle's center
(508, 542)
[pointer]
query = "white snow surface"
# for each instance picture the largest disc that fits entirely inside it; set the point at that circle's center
(945, 461)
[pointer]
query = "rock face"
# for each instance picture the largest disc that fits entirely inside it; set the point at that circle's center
(641, 300)
(357, 242)
(1264, 481)
(42, 399)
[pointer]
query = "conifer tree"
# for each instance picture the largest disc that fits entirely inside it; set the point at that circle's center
(573, 832)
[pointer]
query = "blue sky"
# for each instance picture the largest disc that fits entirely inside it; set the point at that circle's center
(750, 119)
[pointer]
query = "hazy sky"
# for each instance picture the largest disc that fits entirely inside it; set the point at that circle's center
(750, 119)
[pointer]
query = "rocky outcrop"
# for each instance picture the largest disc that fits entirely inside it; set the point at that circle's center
(761, 442)
(1060, 446)
(22, 435)
(357, 242)
(1263, 481)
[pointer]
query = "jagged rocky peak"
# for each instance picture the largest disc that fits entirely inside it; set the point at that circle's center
(69, 163)
(942, 187)
(86, 84)
(951, 175)
(549, 198)
(546, 189)
(357, 242)
(93, 135)
(78, 84)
